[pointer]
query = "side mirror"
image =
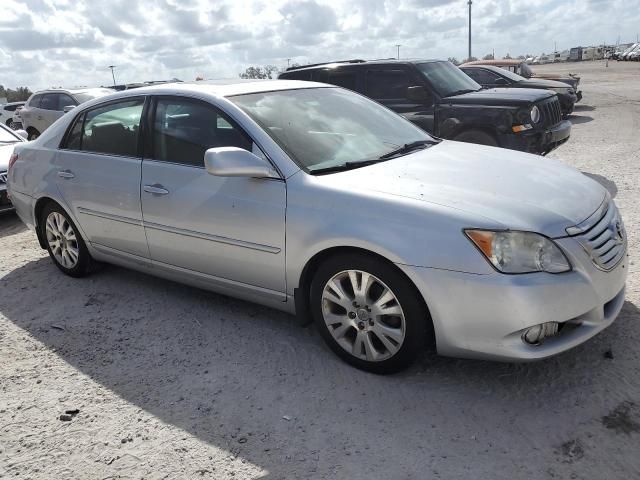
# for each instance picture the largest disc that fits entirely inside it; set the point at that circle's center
(418, 94)
(68, 108)
(22, 133)
(501, 81)
(237, 162)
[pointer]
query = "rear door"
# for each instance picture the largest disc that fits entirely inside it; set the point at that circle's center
(230, 229)
(389, 86)
(98, 172)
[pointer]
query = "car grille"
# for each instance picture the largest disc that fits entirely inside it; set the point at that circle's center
(3, 176)
(550, 110)
(605, 239)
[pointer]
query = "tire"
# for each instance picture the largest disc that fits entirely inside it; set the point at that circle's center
(9, 123)
(476, 136)
(64, 242)
(32, 134)
(347, 319)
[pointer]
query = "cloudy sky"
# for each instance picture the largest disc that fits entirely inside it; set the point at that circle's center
(47, 43)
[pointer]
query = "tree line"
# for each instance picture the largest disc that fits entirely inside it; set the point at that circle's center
(20, 94)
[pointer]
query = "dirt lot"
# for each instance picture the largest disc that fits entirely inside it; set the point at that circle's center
(173, 382)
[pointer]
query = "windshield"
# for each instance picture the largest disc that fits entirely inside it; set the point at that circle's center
(7, 137)
(508, 74)
(321, 128)
(447, 79)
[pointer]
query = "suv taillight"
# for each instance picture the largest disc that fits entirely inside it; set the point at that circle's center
(12, 160)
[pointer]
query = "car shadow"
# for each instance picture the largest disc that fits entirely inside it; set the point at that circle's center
(221, 369)
(10, 224)
(583, 108)
(579, 119)
(610, 185)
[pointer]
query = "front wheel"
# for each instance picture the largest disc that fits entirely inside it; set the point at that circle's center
(33, 134)
(64, 243)
(369, 313)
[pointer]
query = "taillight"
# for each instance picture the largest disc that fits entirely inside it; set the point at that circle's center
(12, 160)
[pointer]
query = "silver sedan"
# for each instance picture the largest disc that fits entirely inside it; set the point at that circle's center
(317, 201)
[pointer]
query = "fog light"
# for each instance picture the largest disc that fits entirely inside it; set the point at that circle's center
(536, 334)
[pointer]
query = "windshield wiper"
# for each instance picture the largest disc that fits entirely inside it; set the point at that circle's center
(461, 92)
(407, 148)
(346, 166)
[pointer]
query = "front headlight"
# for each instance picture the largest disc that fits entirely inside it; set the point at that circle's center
(519, 252)
(535, 114)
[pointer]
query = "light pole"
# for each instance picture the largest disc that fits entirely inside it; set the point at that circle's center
(112, 74)
(469, 58)
(398, 47)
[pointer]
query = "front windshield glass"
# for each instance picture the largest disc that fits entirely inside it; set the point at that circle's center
(7, 137)
(321, 128)
(447, 79)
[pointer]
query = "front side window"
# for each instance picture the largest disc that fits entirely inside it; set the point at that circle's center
(325, 127)
(483, 77)
(113, 129)
(387, 84)
(65, 100)
(447, 79)
(183, 130)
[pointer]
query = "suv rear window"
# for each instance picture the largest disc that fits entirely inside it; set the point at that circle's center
(342, 79)
(387, 84)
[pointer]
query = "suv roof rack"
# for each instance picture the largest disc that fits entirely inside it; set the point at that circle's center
(355, 60)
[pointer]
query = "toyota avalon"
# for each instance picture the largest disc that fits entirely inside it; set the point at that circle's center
(318, 201)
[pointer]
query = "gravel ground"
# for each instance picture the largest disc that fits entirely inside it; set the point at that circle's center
(173, 382)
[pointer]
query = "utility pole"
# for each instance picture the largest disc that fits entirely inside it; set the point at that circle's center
(112, 74)
(469, 58)
(398, 47)
(555, 47)
(288, 62)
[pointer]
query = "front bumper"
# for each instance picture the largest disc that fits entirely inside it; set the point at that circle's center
(484, 316)
(539, 142)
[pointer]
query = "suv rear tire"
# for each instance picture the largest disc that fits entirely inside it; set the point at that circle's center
(32, 134)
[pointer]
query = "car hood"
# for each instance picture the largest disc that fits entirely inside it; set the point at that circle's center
(541, 83)
(499, 96)
(511, 190)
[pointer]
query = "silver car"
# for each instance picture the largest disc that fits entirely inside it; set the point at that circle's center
(8, 140)
(45, 107)
(317, 201)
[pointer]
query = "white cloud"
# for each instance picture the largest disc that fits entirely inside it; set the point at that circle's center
(71, 42)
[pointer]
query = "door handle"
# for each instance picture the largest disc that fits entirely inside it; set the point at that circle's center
(65, 174)
(155, 189)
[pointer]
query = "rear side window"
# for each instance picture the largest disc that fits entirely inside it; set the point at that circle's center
(299, 75)
(387, 84)
(183, 130)
(113, 129)
(342, 79)
(483, 77)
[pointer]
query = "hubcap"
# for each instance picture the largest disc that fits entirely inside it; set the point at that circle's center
(363, 315)
(62, 240)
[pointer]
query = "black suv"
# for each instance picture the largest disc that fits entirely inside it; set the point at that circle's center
(438, 97)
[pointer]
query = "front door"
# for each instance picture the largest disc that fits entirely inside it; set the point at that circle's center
(98, 173)
(229, 229)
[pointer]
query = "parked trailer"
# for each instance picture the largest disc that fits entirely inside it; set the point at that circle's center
(575, 54)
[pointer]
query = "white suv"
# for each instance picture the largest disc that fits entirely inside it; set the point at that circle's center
(6, 112)
(45, 107)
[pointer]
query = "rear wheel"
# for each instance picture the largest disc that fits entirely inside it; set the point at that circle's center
(64, 243)
(477, 136)
(32, 134)
(9, 123)
(369, 313)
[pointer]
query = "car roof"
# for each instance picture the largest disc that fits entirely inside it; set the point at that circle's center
(223, 88)
(496, 63)
(493, 68)
(74, 91)
(383, 61)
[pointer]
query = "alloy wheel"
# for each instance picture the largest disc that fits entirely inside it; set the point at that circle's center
(62, 240)
(363, 315)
